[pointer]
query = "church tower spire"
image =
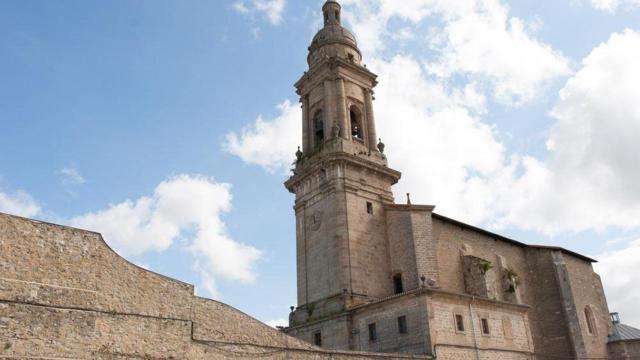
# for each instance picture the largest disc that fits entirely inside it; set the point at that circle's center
(341, 179)
(343, 86)
(331, 11)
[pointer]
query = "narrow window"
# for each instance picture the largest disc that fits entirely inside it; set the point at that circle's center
(485, 326)
(318, 128)
(317, 338)
(402, 325)
(591, 323)
(397, 284)
(351, 58)
(356, 123)
(459, 323)
(373, 335)
(337, 16)
(369, 208)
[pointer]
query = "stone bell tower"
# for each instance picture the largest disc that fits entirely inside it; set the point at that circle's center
(341, 180)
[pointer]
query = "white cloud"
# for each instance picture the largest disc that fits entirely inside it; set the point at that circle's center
(451, 158)
(269, 143)
(487, 43)
(477, 38)
(448, 157)
(277, 323)
(70, 178)
(271, 9)
(184, 210)
(613, 5)
(207, 281)
(19, 203)
(591, 180)
(621, 284)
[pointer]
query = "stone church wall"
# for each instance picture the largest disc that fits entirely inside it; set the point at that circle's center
(624, 350)
(369, 259)
(509, 334)
(65, 294)
(402, 247)
(550, 336)
(587, 292)
(335, 332)
(558, 286)
(454, 242)
(385, 316)
(323, 257)
(412, 251)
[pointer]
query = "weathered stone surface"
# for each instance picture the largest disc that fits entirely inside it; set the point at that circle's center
(363, 261)
(65, 294)
(624, 350)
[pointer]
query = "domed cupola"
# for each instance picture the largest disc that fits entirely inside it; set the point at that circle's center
(333, 40)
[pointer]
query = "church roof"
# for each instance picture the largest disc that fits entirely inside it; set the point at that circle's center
(624, 332)
(511, 241)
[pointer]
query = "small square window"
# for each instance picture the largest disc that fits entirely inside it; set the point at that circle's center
(369, 208)
(317, 338)
(402, 325)
(485, 327)
(459, 323)
(373, 334)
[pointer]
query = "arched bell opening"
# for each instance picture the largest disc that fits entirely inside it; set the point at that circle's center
(357, 125)
(318, 128)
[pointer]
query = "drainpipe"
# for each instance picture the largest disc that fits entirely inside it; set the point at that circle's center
(473, 328)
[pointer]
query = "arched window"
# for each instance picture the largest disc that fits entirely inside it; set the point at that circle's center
(357, 130)
(318, 128)
(591, 321)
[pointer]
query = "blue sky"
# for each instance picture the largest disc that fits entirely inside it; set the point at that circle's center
(178, 118)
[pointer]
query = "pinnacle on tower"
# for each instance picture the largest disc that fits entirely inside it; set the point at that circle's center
(331, 10)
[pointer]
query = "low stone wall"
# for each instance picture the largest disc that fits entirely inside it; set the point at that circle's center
(64, 294)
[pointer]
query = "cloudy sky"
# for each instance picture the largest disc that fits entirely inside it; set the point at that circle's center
(169, 126)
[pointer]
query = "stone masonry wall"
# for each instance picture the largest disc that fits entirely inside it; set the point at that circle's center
(385, 316)
(479, 279)
(558, 287)
(624, 350)
(455, 242)
(587, 291)
(509, 331)
(401, 247)
(412, 249)
(65, 294)
(334, 332)
(551, 337)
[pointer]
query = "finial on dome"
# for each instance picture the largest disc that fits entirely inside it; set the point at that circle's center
(331, 10)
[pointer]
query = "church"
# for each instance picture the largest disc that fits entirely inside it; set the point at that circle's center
(375, 279)
(377, 276)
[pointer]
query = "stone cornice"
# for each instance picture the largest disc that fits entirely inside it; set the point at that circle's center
(400, 207)
(439, 292)
(393, 175)
(332, 64)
